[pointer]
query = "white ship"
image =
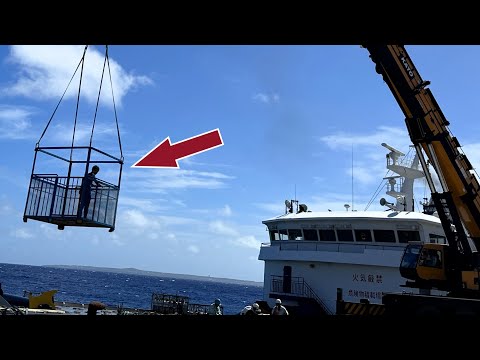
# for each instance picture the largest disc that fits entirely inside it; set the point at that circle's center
(311, 255)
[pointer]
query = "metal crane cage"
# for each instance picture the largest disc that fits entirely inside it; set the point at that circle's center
(54, 193)
(55, 198)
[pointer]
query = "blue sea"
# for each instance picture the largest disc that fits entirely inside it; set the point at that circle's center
(131, 291)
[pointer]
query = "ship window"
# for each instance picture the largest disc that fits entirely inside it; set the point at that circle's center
(430, 258)
(328, 235)
(310, 234)
(283, 234)
(384, 235)
(437, 239)
(404, 236)
(409, 259)
(363, 235)
(295, 234)
(345, 235)
(274, 235)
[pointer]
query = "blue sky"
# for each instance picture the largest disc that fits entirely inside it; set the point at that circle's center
(293, 121)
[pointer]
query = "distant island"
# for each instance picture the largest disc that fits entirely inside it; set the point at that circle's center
(134, 271)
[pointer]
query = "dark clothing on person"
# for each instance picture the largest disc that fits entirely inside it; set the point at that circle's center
(85, 193)
(252, 312)
(94, 306)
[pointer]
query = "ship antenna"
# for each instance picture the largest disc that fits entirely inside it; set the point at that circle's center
(296, 201)
(352, 176)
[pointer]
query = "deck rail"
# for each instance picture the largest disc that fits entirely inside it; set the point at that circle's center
(299, 287)
(295, 245)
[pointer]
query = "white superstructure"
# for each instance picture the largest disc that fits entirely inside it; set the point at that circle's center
(312, 254)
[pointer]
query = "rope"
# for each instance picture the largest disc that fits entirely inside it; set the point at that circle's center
(113, 98)
(51, 117)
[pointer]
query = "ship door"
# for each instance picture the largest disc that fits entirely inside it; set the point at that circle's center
(287, 279)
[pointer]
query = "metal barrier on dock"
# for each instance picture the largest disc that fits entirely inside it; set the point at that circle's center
(169, 304)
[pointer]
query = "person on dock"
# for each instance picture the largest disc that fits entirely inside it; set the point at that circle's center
(279, 309)
(215, 308)
(253, 309)
(94, 306)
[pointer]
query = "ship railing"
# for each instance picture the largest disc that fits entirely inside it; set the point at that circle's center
(299, 287)
(297, 245)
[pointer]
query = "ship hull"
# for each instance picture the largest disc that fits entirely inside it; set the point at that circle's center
(367, 275)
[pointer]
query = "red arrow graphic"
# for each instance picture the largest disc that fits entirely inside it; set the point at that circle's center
(165, 154)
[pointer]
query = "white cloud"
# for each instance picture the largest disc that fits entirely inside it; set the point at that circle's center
(118, 242)
(148, 205)
(274, 207)
(364, 174)
(49, 231)
(393, 136)
(15, 122)
(136, 218)
(194, 249)
(266, 98)
(248, 241)
(220, 228)
(45, 70)
(21, 234)
(226, 211)
(366, 151)
(153, 235)
(261, 97)
(177, 220)
(6, 209)
(334, 202)
(133, 225)
(116, 239)
(142, 179)
(63, 133)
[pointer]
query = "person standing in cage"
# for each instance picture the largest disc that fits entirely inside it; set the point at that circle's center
(86, 191)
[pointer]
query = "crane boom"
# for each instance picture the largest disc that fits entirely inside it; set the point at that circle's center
(453, 267)
(459, 203)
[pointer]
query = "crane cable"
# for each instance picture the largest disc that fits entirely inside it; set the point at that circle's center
(56, 108)
(107, 62)
(78, 101)
(81, 62)
(113, 99)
